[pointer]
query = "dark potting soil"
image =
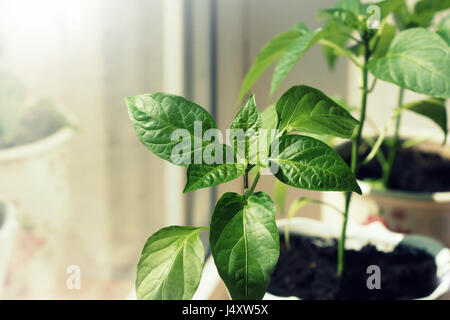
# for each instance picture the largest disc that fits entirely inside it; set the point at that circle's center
(414, 171)
(40, 121)
(308, 271)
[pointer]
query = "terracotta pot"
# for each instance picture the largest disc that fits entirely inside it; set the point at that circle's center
(211, 286)
(406, 212)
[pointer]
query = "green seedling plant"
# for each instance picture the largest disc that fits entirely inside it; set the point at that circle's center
(243, 235)
(412, 54)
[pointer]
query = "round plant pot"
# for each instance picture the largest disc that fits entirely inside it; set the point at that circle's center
(357, 236)
(406, 212)
(8, 228)
(34, 179)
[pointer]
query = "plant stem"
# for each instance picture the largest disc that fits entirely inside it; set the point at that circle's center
(255, 182)
(387, 172)
(355, 159)
(246, 179)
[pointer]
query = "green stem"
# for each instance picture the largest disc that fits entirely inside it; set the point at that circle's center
(387, 172)
(255, 182)
(354, 159)
(246, 179)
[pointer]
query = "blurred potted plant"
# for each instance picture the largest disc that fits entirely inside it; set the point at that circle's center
(405, 186)
(33, 142)
(403, 180)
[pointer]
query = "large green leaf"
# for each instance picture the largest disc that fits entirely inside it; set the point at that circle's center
(417, 60)
(292, 54)
(306, 109)
(267, 56)
(157, 116)
(171, 264)
(433, 109)
(307, 163)
(209, 175)
(245, 243)
(444, 29)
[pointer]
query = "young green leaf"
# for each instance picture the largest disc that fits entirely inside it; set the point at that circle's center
(292, 54)
(307, 163)
(338, 39)
(267, 56)
(245, 243)
(171, 264)
(279, 195)
(269, 118)
(248, 117)
(209, 175)
(444, 29)
(416, 60)
(306, 109)
(345, 17)
(433, 109)
(248, 121)
(386, 34)
(425, 10)
(156, 117)
(293, 209)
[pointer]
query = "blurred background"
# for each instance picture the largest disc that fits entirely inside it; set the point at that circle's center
(87, 193)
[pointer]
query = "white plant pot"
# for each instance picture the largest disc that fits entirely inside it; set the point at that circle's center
(8, 228)
(406, 212)
(357, 237)
(34, 179)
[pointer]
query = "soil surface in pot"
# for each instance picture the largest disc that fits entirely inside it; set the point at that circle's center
(414, 171)
(40, 121)
(308, 271)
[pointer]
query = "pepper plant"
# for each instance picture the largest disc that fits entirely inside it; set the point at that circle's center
(243, 234)
(407, 54)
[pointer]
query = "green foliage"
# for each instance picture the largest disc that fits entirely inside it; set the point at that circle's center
(306, 109)
(292, 54)
(417, 60)
(268, 55)
(279, 195)
(383, 40)
(308, 163)
(157, 116)
(171, 264)
(422, 14)
(444, 29)
(243, 233)
(209, 175)
(245, 243)
(433, 109)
